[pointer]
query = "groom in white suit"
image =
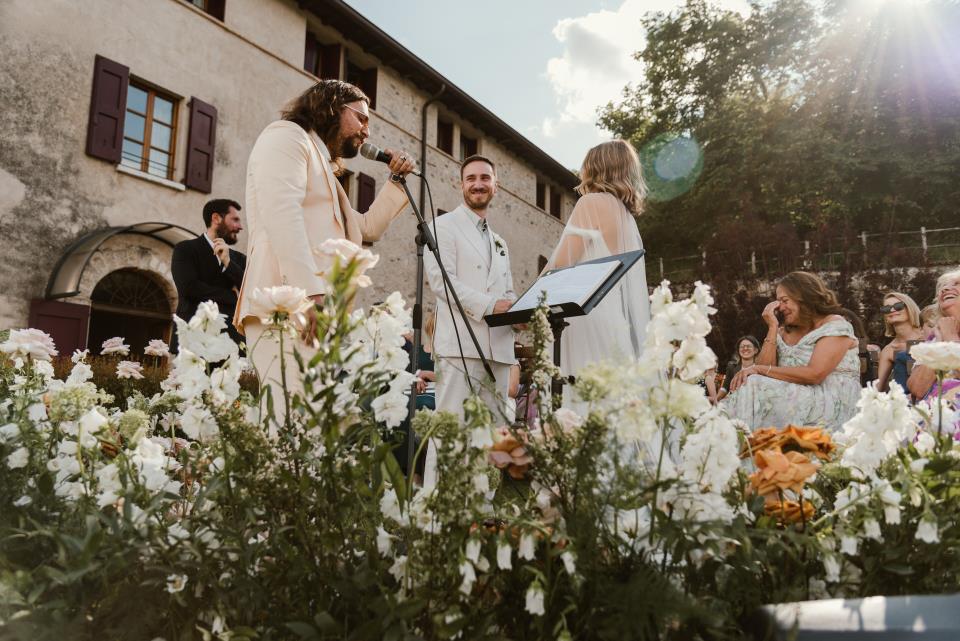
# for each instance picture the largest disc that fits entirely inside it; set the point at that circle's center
(478, 264)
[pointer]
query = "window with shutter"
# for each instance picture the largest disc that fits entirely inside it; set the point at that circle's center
(366, 192)
(311, 55)
(200, 146)
(331, 58)
(541, 194)
(468, 147)
(444, 135)
(541, 263)
(214, 8)
(365, 79)
(108, 101)
(555, 203)
(149, 131)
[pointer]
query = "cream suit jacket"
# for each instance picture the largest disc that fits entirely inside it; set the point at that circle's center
(293, 204)
(478, 281)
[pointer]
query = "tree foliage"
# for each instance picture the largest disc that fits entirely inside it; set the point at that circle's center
(827, 118)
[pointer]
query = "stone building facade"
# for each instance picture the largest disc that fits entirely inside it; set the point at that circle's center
(121, 118)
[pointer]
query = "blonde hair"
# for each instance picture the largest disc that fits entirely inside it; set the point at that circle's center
(429, 326)
(930, 314)
(946, 279)
(913, 312)
(614, 168)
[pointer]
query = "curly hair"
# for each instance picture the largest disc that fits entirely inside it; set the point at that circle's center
(814, 298)
(318, 108)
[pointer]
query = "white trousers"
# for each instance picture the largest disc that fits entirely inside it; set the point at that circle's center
(263, 350)
(454, 387)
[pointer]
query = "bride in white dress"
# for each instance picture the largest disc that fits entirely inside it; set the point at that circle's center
(604, 223)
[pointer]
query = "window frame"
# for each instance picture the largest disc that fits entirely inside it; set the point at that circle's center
(152, 93)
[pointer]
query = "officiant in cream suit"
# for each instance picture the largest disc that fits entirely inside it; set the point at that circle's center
(295, 202)
(478, 264)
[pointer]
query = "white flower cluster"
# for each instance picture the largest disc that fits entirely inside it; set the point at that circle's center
(884, 422)
(378, 342)
(940, 356)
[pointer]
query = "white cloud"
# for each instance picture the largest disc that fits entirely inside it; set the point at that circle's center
(597, 61)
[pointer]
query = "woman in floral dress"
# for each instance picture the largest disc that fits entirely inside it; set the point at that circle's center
(808, 370)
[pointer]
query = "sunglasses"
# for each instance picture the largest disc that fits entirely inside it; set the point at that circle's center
(896, 307)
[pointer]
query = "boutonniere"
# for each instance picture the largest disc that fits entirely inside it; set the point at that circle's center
(500, 246)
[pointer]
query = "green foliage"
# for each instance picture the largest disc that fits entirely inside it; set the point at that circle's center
(824, 119)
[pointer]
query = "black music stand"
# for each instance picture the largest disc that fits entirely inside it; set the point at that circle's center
(571, 291)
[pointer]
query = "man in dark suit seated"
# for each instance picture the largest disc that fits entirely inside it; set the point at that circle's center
(205, 268)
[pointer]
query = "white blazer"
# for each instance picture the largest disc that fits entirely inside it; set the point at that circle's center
(479, 282)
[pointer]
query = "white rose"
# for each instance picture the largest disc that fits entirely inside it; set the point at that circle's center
(267, 302)
(129, 369)
(941, 356)
(114, 345)
(29, 342)
(156, 347)
(9, 432)
(334, 249)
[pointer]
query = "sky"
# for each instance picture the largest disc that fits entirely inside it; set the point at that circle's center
(543, 66)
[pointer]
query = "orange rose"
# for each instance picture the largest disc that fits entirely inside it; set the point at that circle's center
(509, 453)
(788, 511)
(792, 437)
(761, 439)
(811, 439)
(777, 471)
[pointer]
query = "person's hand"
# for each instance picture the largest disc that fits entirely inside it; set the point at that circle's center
(221, 251)
(769, 315)
(741, 377)
(948, 329)
(308, 333)
(502, 305)
(712, 399)
(421, 386)
(400, 162)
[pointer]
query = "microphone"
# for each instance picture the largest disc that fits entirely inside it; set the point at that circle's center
(372, 152)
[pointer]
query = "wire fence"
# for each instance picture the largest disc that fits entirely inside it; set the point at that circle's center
(915, 248)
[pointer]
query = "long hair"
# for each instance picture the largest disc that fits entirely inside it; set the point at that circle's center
(318, 108)
(814, 298)
(913, 312)
(614, 168)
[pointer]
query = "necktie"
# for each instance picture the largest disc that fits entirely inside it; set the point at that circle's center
(485, 234)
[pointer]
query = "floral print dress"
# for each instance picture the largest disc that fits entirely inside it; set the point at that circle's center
(768, 402)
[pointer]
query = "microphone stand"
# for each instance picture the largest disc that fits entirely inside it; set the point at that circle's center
(425, 239)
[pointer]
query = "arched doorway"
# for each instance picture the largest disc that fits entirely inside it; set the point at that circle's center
(132, 304)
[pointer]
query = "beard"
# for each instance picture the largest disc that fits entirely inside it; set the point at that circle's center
(229, 237)
(478, 199)
(345, 147)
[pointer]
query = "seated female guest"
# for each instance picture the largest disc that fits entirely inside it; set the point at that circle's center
(747, 349)
(807, 372)
(922, 381)
(901, 320)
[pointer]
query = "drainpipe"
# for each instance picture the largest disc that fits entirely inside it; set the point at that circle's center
(423, 149)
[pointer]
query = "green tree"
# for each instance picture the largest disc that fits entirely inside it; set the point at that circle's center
(828, 118)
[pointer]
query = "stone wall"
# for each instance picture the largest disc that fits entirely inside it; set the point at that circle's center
(51, 192)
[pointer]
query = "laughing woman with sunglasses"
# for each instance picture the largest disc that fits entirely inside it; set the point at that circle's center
(901, 320)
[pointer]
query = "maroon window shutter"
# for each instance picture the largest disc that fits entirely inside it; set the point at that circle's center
(65, 322)
(108, 106)
(200, 146)
(366, 192)
(310, 53)
(330, 58)
(369, 86)
(216, 8)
